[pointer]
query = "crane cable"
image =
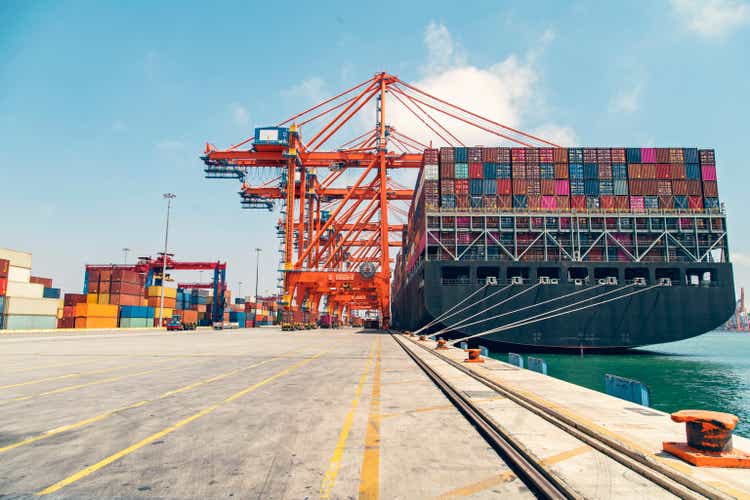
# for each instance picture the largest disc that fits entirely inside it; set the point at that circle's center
(554, 299)
(449, 310)
(442, 316)
(490, 307)
(545, 316)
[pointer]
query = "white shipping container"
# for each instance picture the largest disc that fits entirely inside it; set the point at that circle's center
(27, 290)
(20, 274)
(18, 259)
(31, 307)
(431, 172)
(24, 322)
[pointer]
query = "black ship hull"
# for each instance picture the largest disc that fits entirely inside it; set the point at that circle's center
(701, 298)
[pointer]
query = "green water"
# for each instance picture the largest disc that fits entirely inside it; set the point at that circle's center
(709, 372)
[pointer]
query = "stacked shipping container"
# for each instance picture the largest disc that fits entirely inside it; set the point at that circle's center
(26, 302)
(580, 179)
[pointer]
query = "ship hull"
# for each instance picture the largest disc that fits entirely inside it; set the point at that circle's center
(651, 316)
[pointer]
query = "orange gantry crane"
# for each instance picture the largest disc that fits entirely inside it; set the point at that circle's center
(336, 239)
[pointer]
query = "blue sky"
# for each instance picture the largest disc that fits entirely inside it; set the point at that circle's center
(104, 106)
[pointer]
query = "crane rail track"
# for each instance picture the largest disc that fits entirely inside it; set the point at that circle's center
(528, 468)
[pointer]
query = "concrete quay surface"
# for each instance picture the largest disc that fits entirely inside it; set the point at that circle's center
(249, 413)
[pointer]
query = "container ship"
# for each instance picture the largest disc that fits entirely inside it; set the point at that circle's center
(597, 249)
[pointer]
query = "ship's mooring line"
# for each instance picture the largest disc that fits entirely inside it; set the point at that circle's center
(534, 305)
(442, 316)
(472, 304)
(547, 315)
(459, 323)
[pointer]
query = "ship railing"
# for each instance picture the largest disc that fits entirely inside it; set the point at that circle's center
(456, 281)
(540, 212)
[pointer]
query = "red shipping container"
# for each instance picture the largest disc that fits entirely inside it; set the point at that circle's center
(549, 203)
(603, 155)
(105, 275)
(66, 323)
(47, 282)
(4, 268)
(651, 187)
(520, 186)
(505, 155)
(126, 288)
(578, 202)
(126, 300)
(637, 204)
(447, 186)
(648, 155)
(518, 155)
(535, 202)
(695, 202)
(504, 187)
(546, 155)
(69, 311)
(648, 170)
(447, 155)
(708, 172)
(489, 201)
(562, 187)
(504, 202)
(662, 155)
(663, 171)
(710, 189)
(518, 171)
(547, 186)
(128, 276)
(635, 171)
(676, 155)
(430, 156)
(447, 171)
(3, 286)
(475, 170)
(474, 154)
(663, 188)
(589, 155)
(679, 187)
(666, 202)
(607, 202)
(563, 202)
(462, 201)
(621, 203)
(561, 170)
(534, 187)
(560, 155)
(71, 299)
(491, 155)
(678, 170)
(533, 171)
(461, 186)
(618, 155)
(605, 170)
(694, 188)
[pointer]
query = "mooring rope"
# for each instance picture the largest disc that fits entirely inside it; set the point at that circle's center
(447, 328)
(449, 310)
(547, 315)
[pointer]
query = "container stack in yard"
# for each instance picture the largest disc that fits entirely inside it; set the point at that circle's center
(26, 301)
(154, 300)
(92, 315)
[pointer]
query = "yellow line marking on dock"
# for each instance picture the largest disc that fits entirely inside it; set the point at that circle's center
(508, 476)
(61, 377)
(739, 494)
(158, 435)
(329, 479)
(109, 413)
(369, 478)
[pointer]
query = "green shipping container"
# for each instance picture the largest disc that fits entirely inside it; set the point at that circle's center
(136, 322)
(24, 322)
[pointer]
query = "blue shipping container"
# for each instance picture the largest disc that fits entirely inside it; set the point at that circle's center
(490, 186)
(461, 170)
(575, 155)
(633, 155)
(136, 312)
(620, 187)
(475, 186)
(575, 170)
(503, 171)
(591, 188)
(462, 155)
(590, 171)
(520, 201)
(272, 135)
(51, 293)
(710, 202)
(691, 155)
(592, 202)
(448, 201)
(681, 202)
(619, 171)
(693, 171)
(606, 187)
(547, 170)
(489, 171)
(651, 202)
(476, 202)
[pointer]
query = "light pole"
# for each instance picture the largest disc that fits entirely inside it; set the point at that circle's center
(125, 255)
(257, 260)
(169, 197)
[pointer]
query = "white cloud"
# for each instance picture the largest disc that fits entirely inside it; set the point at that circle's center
(507, 91)
(712, 18)
(312, 89)
(240, 115)
(627, 100)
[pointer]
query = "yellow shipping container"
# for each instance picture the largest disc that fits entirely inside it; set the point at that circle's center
(92, 322)
(91, 298)
(96, 311)
(103, 298)
(155, 291)
(167, 313)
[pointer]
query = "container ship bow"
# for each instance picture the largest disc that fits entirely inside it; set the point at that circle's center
(565, 248)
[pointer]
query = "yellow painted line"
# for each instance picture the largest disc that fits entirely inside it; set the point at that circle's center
(109, 413)
(61, 377)
(369, 478)
(739, 494)
(81, 386)
(329, 479)
(154, 437)
(508, 476)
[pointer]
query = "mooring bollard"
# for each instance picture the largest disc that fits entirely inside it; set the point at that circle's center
(474, 356)
(484, 351)
(515, 359)
(627, 389)
(441, 345)
(538, 365)
(709, 440)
